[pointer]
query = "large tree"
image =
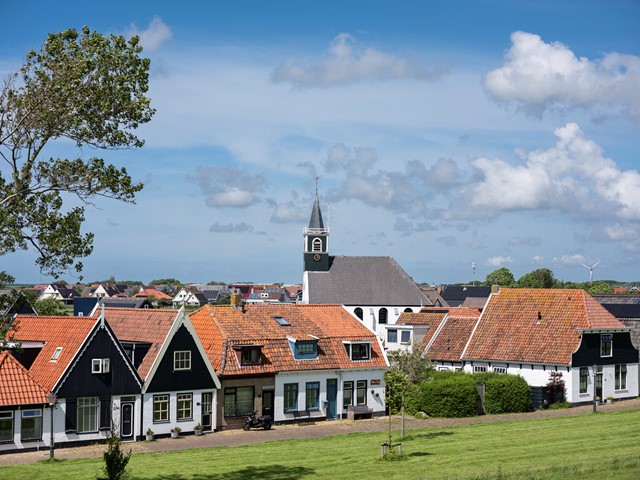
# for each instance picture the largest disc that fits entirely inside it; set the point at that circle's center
(80, 86)
(540, 278)
(501, 276)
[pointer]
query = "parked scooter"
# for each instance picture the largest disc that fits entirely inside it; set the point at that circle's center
(257, 422)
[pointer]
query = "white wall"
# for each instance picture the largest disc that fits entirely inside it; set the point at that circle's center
(371, 315)
(186, 425)
(375, 393)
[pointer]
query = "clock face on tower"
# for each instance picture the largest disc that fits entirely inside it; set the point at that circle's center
(316, 257)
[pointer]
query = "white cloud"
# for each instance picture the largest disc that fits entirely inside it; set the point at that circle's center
(575, 259)
(498, 261)
(539, 75)
(228, 187)
(153, 36)
(289, 212)
(348, 63)
(537, 259)
(574, 176)
(241, 227)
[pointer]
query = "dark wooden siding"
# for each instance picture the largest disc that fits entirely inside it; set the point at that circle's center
(82, 383)
(166, 379)
(589, 352)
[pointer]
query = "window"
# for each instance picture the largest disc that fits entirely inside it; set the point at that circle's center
(359, 351)
(306, 349)
(250, 356)
(500, 369)
(406, 336)
(185, 406)
(290, 397)
(31, 425)
(56, 354)
(87, 414)
(182, 360)
(316, 245)
(621, 376)
(160, 408)
(606, 345)
(408, 310)
(312, 396)
(347, 394)
(358, 313)
(392, 336)
(238, 401)
(282, 321)
(6, 426)
(361, 393)
(584, 379)
(382, 315)
(100, 365)
(479, 369)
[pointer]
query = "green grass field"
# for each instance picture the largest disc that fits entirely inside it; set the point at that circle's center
(589, 446)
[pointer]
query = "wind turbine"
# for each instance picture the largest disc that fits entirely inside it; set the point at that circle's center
(590, 268)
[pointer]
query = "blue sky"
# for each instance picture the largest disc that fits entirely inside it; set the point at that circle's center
(443, 133)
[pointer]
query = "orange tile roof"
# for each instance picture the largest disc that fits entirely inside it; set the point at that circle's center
(157, 294)
(536, 325)
(453, 335)
(69, 333)
(220, 328)
(143, 325)
(17, 386)
(421, 318)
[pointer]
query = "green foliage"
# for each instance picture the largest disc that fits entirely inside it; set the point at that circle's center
(559, 405)
(89, 89)
(165, 281)
(50, 307)
(411, 364)
(456, 396)
(540, 278)
(115, 460)
(213, 282)
(223, 299)
(502, 277)
(507, 394)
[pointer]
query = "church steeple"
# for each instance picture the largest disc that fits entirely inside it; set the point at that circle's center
(316, 241)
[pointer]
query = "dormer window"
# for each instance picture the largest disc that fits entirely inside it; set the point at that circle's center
(304, 349)
(358, 351)
(606, 345)
(249, 354)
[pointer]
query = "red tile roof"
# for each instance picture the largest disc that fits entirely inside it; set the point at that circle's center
(142, 325)
(157, 294)
(222, 327)
(17, 386)
(449, 343)
(68, 333)
(536, 325)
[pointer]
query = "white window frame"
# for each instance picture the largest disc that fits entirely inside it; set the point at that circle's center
(620, 376)
(56, 354)
(403, 334)
(583, 377)
(88, 409)
(4, 416)
(32, 413)
(349, 346)
(479, 368)
(500, 369)
(182, 360)
(162, 403)
(184, 406)
(604, 343)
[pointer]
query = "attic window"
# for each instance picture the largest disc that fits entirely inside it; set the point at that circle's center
(281, 321)
(250, 356)
(358, 350)
(56, 354)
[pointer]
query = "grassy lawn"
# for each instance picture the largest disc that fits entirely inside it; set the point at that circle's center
(590, 446)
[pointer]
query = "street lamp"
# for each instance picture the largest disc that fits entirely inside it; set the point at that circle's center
(595, 370)
(51, 398)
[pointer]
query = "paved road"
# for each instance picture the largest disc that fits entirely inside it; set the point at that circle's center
(309, 430)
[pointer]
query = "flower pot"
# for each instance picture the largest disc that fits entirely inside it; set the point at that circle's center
(149, 438)
(198, 432)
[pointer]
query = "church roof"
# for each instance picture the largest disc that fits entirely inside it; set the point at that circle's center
(364, 281)
(316, 215)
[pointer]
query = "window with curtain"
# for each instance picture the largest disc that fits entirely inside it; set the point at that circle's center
(88, 414)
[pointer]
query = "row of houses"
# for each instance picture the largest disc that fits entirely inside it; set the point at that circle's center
(154, 369)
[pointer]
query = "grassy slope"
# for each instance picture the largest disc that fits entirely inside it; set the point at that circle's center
(604, 445)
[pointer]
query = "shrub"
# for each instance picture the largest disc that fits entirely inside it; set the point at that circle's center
(456, 396)
(115, 460)
(507, 394)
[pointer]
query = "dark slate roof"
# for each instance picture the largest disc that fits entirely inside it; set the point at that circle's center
(211, 295)
(364, 281)
(83, 306)
(455, 295)
(316, 215)
(622, 310)
(619, 299)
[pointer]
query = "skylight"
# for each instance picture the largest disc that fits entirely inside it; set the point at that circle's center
(281, 321)
(56, 354)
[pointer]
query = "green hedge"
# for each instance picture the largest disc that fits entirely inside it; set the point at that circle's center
(456, 396)
(507, 394)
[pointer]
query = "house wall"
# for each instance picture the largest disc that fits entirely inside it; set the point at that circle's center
(375, 393)
(416, 332)
(371, 316)
(259, 384)
(164, 428)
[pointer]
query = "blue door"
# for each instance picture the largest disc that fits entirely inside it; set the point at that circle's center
(332, 394)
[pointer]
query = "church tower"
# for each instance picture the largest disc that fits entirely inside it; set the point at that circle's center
(316, 241)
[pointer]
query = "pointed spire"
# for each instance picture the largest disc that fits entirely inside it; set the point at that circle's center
(316, 214)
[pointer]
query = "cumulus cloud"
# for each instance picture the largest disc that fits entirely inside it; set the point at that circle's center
(153, 36)
(234, 228)
(572, 176)
(539, 75)
(289, 212)
(347, 62)
(498, 261)
(228, 187)
(575, 259)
